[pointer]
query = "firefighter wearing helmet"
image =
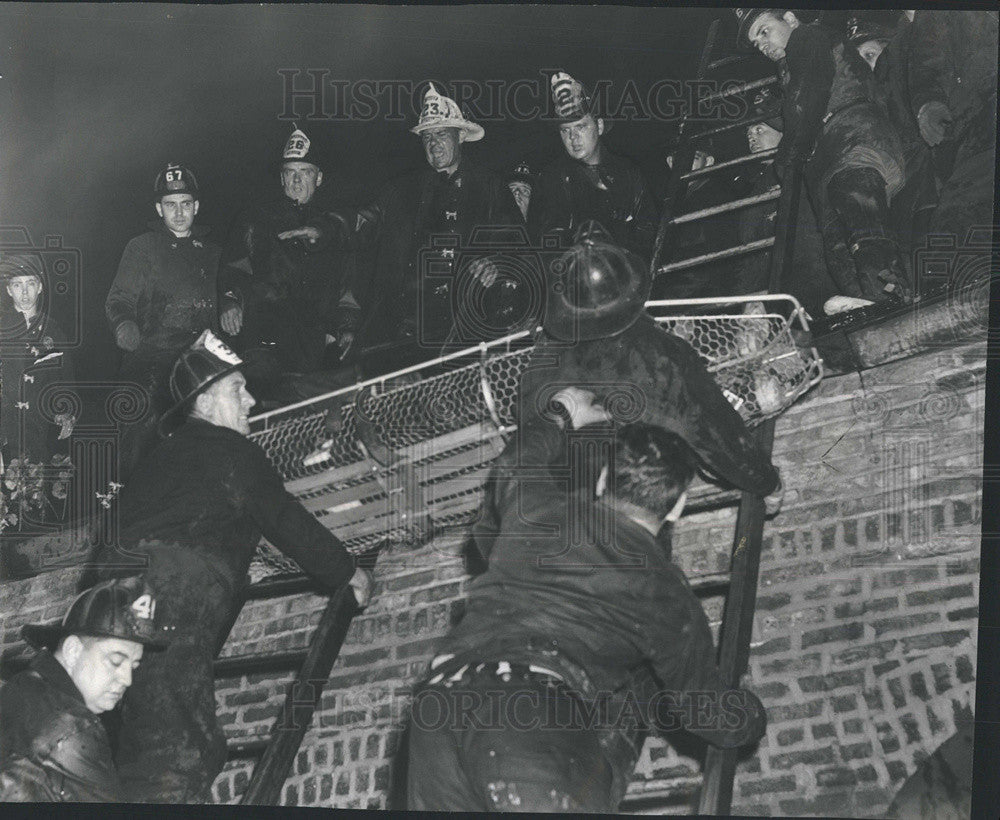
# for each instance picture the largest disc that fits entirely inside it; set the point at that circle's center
(286, 298)
(162, 298)
(191, 519)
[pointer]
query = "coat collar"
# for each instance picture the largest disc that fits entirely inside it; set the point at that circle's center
(46, 665)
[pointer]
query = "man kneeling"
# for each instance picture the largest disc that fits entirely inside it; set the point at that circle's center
(579, 637)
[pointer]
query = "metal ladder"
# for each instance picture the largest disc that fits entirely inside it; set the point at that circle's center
(716, 792)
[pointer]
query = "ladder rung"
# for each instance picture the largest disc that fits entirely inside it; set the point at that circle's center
(726, 253)
(251, 664)
(733, 58)
(709, 581)
(242, 748)
(733, 205)
(679, 796)
(276, 586)
(760, 155)
(713, 499)
(739, 89)
(731, 126)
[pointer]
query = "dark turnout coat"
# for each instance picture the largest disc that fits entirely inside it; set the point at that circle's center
(613, 193)
(832, 120)
(653, 377)
(52, 747)
(580, 589)
(166, 285)
(415, 273)
(33, 357)
(292, 292)
(191, 518)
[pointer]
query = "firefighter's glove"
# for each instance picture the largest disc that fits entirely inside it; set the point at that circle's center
(362, 583)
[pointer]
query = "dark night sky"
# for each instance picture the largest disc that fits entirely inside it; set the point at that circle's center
(97, 98)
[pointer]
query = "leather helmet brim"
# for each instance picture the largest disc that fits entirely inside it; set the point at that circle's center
(174, 416)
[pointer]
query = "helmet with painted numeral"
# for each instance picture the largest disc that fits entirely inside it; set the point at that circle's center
(124, 608)
(174, 179)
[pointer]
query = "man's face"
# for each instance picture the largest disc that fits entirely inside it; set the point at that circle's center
(227, 403)
(25, 291)
(522, 196)
(582, 138)
(102, 669)
(870, 51)
(762, 137)
(442, 147)
(300, 180)
(769, 34)
(177, 212)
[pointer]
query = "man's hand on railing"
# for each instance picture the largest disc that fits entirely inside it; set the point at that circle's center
(362, 583)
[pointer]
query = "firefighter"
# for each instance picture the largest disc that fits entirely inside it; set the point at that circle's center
(285, 281)
(521, 182)
(887, 51)
(596, 333)
(806, 278)
(190, 521)
(437, 235)
(589, 182)
(34, 356)
(579, 597)
(53, 747)
(162, 298)
(851, 156)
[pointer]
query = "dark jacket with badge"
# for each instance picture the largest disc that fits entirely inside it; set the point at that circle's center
(33, 357)
(52, 747)
(191, 518)
(832, 120)
(613, 193)
(167, 286)
(293, 292)
(425, 228)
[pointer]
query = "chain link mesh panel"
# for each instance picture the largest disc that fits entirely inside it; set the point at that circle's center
(441, 420)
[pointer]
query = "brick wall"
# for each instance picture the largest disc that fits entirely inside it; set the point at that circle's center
(864, 638)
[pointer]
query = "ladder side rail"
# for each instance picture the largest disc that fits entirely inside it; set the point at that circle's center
(683, 161)
(737, 626)
(301, 700)
(737, 620)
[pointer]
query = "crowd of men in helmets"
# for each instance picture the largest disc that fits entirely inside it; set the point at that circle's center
(890, 139)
